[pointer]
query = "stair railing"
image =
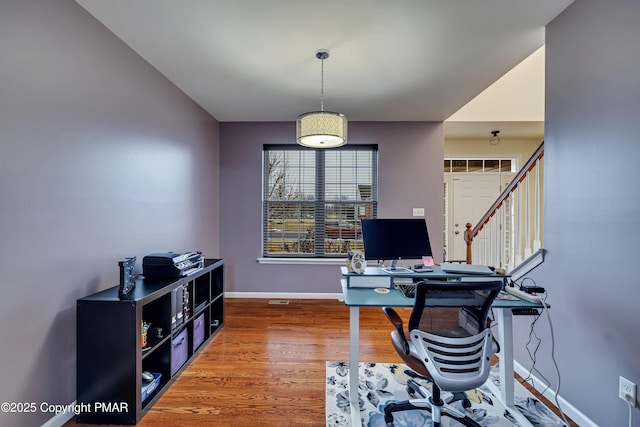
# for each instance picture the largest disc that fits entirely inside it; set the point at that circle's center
(511, 230)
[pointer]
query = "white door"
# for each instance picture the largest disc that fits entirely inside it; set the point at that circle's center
(471, 196)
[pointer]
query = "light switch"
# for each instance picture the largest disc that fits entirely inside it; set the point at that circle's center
(418, 211)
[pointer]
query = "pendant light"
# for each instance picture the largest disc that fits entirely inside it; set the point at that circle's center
(321, 129)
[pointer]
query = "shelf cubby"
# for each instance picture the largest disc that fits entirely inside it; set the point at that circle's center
(217, 314)
(201, 292)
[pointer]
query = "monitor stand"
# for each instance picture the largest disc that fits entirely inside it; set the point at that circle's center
(394, 269)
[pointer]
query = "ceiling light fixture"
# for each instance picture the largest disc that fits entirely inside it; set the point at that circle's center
(321, 129)
(494, 140)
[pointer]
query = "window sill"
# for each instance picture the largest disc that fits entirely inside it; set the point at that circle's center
(303, 261)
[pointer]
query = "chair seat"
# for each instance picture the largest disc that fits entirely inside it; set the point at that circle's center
(412, 362)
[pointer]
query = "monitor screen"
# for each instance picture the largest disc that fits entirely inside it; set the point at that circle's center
(394, 239)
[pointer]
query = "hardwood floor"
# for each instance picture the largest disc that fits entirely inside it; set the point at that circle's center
(266, 367)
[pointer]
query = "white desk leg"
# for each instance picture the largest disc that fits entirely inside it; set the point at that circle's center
(354, 350)
(505, 332)
(505, 328)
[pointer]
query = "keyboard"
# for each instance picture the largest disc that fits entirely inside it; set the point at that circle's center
(408, 290)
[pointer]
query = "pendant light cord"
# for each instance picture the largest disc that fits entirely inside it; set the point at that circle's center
(321, 84)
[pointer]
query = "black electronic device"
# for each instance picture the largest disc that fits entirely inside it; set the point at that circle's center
(179, 306)
(532, 289)
(127, 276)
(525, 311)
(170, 265)
(395, 239)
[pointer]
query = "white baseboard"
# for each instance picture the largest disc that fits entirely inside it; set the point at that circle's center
(284, 295)
(569, 410)
(61, 418)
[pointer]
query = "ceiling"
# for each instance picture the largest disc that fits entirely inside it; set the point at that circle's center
(403, 60)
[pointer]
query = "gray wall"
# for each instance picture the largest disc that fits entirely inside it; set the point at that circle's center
(592, 206)
(410, 175)
(100, 158)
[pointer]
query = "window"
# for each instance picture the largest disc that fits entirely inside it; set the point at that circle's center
(313, 200)
(479, 165)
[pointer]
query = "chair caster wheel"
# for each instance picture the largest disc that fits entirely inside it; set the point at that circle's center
(388, 418)
(466, 403)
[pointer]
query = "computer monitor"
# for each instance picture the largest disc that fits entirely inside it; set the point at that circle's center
(395, 239)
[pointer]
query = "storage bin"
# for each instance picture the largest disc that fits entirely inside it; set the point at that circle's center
(198, 331)
(179, 351)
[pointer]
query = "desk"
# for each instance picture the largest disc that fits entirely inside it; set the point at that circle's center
(355, 298)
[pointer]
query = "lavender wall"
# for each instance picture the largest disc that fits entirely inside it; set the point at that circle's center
(101, 157)
(592, 206)
(410, 175)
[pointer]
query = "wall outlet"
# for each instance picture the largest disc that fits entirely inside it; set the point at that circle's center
(627, 388)
(418, 211)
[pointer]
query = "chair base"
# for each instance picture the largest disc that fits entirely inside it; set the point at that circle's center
(437, 405)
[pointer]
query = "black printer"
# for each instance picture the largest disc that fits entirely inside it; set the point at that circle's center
(170, 265)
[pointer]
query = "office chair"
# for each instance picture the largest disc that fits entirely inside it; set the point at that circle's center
(448, 341)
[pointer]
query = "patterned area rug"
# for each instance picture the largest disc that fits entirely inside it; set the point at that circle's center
(384, 382)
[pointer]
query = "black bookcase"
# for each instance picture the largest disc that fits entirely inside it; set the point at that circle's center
(110, 354)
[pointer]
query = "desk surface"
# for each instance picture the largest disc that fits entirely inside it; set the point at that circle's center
(368, 297)
(435, 273)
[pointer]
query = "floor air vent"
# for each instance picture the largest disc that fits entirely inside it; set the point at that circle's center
(279, 301)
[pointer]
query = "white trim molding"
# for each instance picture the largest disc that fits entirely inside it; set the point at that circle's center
(569, 410)
(61, 418)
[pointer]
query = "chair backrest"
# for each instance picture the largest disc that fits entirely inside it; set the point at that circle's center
(448, 329)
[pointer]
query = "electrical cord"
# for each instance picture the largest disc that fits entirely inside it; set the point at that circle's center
(628, 399)
(533, 358)
(553, 358)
